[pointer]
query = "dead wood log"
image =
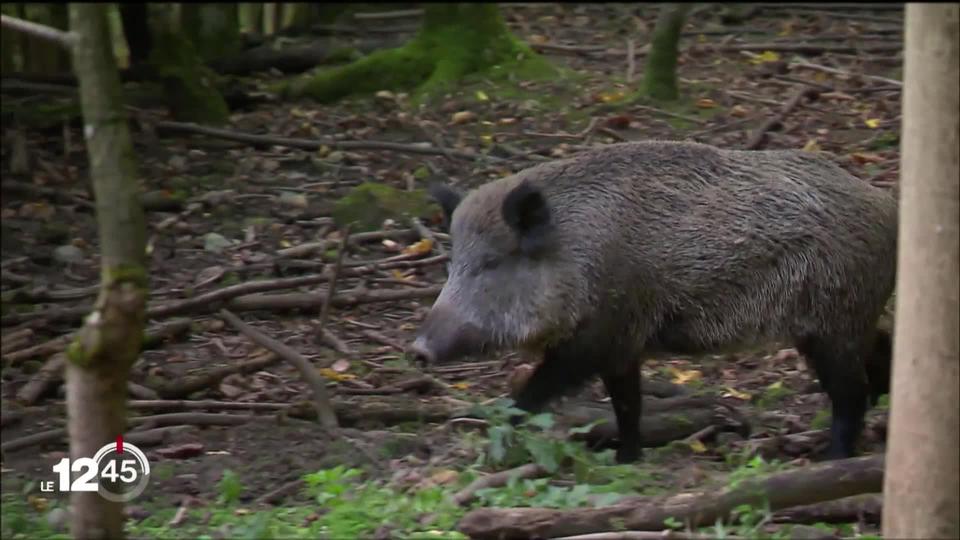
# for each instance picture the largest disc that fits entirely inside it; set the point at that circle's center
(813, 484)
(857, 509)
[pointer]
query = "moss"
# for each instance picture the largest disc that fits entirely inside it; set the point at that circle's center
(455, 40)
(188, 85)
(369, 204)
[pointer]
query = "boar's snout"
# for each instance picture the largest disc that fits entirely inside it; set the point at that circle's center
(444, 337)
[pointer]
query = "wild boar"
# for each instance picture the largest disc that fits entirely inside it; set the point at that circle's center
(654, 248)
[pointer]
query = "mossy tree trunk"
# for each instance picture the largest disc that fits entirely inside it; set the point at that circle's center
(109, 342)
(920, 485)
(188, 84)
(135, 17)
(660, 72)
(213, 28)
(455, 40)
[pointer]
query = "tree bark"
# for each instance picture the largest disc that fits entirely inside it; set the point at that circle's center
(214, 29)
(921, 490)
(106, 346)
(660, 72)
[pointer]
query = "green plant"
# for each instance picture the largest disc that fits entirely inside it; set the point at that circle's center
(230, 487)
(821, 420)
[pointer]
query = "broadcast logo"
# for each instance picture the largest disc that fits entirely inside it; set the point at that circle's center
(119, 472)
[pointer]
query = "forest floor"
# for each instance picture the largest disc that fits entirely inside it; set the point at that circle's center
(416, 439)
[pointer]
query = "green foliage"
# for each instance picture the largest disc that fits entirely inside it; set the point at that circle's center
(456, 40)
(821, 420)
(774, 394)
(18, 520)
(230, 487)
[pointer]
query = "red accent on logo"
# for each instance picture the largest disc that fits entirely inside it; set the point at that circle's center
(119, 444)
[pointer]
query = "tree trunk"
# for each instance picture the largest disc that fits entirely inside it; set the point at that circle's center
(660, 72)
(920, 496)
(297, 15)
(214, 29)
(109, 342)
(252, 15)
(455, 40)
(135, 17)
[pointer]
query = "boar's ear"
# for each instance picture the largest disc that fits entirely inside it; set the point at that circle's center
(525, 211)
(448, 199)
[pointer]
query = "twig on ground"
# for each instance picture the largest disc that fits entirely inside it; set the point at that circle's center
(332, 287)
(469, 493)
(314, 144)
(803, 48)
(396, 14)
(425, 232)
(691, 119)
(756, 140)
(842, 73)
(311, 376)
(631, 61)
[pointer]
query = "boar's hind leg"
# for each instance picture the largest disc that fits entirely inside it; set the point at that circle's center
(624, 390)
(839, 364)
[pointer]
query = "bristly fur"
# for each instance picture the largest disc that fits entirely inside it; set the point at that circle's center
(670, 247)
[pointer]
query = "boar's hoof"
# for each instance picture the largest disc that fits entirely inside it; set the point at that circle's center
(626, 455)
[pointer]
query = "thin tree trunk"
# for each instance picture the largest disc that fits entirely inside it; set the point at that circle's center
(109, 342)
(921, 498)
(660, 71)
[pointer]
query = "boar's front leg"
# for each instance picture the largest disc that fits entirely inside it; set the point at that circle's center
(564, 368)
(623, 386)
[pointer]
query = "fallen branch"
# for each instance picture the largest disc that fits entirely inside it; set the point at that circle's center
(316, 144)
(396, 14)
(756, 140)
(328, 419)
(842, 73)
(802, 48)
(52, 371)
(309, 248)
(210, 301)
(469, 493)
(281, 302)
(64, 39)
(813, 484)
(647, 535)
(185, 387)
(859, 508)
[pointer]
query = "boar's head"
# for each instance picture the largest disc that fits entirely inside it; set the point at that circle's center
(505, 284)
